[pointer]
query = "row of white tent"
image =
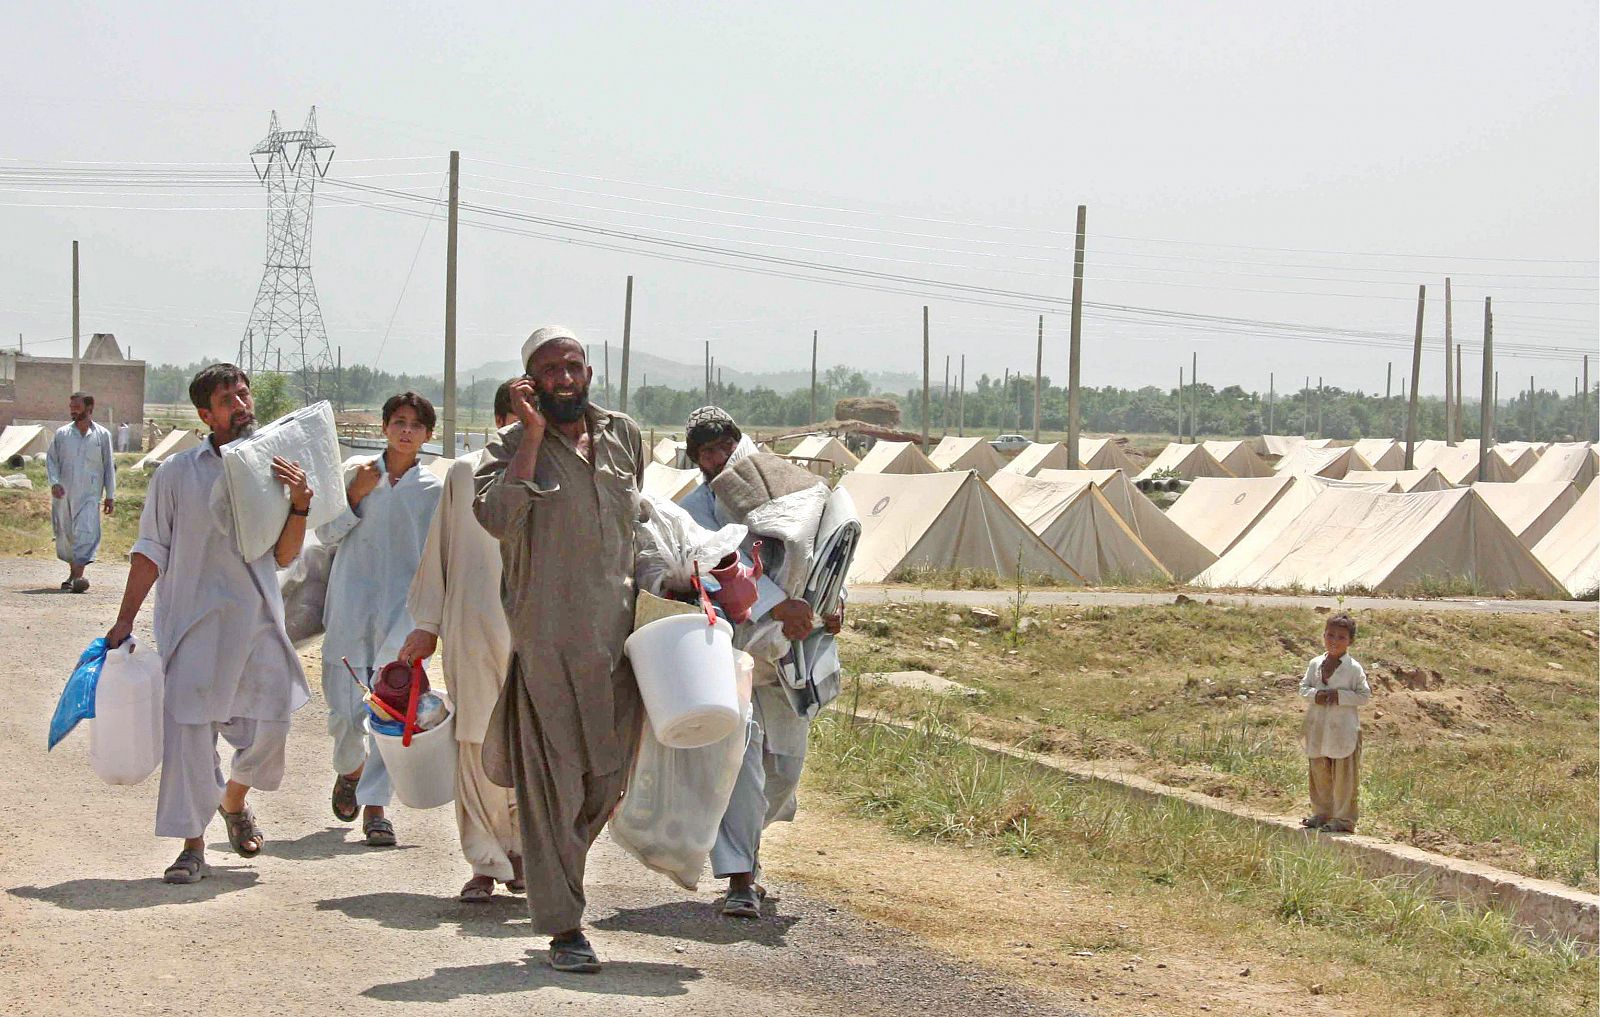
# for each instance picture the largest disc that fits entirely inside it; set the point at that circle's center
(1277, 532)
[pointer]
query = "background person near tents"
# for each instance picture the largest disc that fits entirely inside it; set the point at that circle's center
(1336, 686)
(456, 596)
(229, 666)
(756, 489)
(377, 544)
(560, 492)
(83, 483)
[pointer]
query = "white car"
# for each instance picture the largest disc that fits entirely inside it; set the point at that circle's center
(1010, 443)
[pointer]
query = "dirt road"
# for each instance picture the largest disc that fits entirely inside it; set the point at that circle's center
(1111, 598)
(320, 924)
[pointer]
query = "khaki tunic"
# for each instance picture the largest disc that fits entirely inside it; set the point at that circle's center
(566, 727)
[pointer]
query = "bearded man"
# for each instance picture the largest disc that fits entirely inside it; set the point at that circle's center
(83, 481)
(559, 490)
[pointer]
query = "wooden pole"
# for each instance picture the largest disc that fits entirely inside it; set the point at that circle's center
(1075, 344)
(1494, 421)
(925, 379)
(1461, 427)
(944, 410)
(1449, 387)
(1180, 404)
(77, 382)
(1416, 378)
(627, 342)
(1587, 420)
(1039, 371)
(1271, 398)
(1320, 396)
(447, 435)
(813, 419)
(1005, 410)
(1533, 410)
(961, 401)
(1194, 397)
(1486, 412)
(1305, 422)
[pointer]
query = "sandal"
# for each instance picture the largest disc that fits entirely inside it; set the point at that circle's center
(379, 832)
(242, 827)
(742, 904)
(345, 808)
(478, 890)
(80, 585)
(1313, 822)
(516, 884)
(66, 585)
(574, 955)
(190, 867)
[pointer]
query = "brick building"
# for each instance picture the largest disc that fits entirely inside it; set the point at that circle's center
(34, 390)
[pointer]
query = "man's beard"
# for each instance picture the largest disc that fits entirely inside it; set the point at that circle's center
(564, 409)
(242, 423)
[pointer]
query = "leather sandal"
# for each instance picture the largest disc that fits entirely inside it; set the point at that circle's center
(478, 890)
(242, 827)
(379, 832)
(574, 955)
(345, 807)
(190, 867)
(744, 903)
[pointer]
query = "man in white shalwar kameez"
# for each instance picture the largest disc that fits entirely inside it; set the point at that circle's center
(83, 483)
(377, 543)
(456, 597)
(230, 668)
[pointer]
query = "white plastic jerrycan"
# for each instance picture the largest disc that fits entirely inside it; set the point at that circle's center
(125, 734)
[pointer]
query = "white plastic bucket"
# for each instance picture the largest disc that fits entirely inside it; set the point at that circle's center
(125, 734)
(424, 772)
(686, 676)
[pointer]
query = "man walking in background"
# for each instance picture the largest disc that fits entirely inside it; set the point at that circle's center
(560, 491)
(456, 597)
(83, 483)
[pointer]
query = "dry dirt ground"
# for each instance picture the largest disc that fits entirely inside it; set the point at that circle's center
(867, 923)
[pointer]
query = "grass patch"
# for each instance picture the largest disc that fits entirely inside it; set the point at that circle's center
(25, 515)
(930, 782)
(1479, 741)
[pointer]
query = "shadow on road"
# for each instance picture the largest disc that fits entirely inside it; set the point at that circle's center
(503, 917)
(620, 978)
(133, 894)
(324, 845)
(701, 922)
(42, 589)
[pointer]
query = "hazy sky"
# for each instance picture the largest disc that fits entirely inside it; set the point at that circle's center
(1257, 161)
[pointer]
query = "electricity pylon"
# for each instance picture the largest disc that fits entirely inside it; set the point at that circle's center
(285, 333)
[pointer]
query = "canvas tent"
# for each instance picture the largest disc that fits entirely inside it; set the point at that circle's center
(1571, 550)
(1367, 540)
(1459, 464)
(1239, 458)
(671, 453)
(1217, 511)
(1080, 525)
(1330, 463)
(1530, 510)
(895, 457)
(943, 521)
(1185, 461)
(828, 449)
(665, 482)
(1105, 454)
(175, 442)
(1518, 457)
(1382, 453)
(23, 440)
(1039, 455)
(1276, 446)
(954, 453)
(1574, 462)
(1181, 554)
(1401, 481)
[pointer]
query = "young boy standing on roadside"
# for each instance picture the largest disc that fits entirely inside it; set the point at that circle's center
(1336, 686)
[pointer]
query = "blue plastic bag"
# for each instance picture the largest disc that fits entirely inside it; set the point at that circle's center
(77, 699)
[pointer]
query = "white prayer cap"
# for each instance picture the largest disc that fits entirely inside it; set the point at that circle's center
(545, 334)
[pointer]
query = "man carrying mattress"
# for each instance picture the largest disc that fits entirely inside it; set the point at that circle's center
(782, 505)
(230, 668)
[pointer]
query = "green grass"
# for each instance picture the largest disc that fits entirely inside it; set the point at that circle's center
(25, 515)
(931, 782)
(1495, 759)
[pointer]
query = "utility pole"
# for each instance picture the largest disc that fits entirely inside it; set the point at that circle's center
(1320, 396)
(1194, 397)
(1180, 404)
(925, 379)
(1416, 377)
(1486, 420)
(1495, 420)
(1039, 370)
(77, 382)
(627, 342)
(708, 372)
(1305, 428)
(1075, 348)
(944, 415)
(448, 436)
(1005, 410)
(961, 401)
(813, 419)
(1271, 396)
(1449, 388)
(1533, 410)
(1461, 427)
(1388, 395)
(1585, 407)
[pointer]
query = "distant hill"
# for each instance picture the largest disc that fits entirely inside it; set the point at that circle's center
(647, 367)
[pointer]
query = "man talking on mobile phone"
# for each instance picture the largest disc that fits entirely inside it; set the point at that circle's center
(559, 490)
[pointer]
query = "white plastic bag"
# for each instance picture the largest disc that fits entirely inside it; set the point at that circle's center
(125, 734)
(676, 797)
(257, 501)
(670, 542)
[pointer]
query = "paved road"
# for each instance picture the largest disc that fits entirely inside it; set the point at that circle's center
(321, 924)
(1054, 598)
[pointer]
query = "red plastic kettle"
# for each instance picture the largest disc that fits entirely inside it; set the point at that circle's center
(737, 592)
